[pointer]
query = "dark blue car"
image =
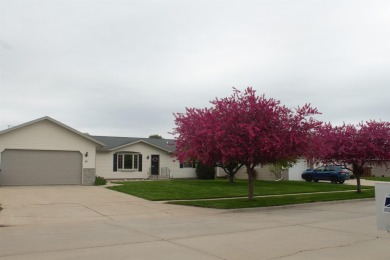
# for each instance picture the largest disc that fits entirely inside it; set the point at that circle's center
(332, 173)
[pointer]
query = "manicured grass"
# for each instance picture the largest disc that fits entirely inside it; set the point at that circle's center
(277, 200)
(206, 189)
(377, 178)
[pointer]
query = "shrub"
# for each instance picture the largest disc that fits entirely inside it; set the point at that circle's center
(100, 181)
(204, 172)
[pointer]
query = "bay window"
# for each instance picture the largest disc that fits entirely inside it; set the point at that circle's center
(127, 161)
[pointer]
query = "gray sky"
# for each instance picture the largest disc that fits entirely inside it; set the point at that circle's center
(123, 68)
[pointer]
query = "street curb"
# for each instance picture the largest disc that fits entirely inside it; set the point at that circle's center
(301, 205)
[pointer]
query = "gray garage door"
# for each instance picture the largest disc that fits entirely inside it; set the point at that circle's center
(29, 167)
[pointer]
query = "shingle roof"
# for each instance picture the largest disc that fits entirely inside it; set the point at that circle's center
(113, 142)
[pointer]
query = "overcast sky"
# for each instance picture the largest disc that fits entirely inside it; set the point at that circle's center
(122, 67)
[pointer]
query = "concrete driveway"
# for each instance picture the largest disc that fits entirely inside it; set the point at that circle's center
(75, 222)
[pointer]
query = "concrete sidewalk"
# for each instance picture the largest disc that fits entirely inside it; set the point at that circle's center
(75, 222)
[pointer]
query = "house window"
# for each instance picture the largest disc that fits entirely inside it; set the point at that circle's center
(135, 161)
(127, 161)
(120, 161)
(187, 164)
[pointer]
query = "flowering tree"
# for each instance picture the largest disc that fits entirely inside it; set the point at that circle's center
(244, 129)
(317, 148)
(197, 141)
(358, 146)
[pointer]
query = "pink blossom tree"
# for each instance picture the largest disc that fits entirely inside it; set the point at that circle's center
(317, 148)
(357, 145)
(197, 140)
(244, 129)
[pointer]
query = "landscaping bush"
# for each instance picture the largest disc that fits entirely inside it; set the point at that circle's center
(100, 181)
(204, 172)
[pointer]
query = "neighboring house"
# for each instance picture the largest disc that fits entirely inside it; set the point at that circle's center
(380, 171)
(373, 170)
(47, 152)
(264, 173)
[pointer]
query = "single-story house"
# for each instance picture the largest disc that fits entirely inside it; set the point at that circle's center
(48, 152)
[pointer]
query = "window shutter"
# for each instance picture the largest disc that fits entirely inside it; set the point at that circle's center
(181, 165)
(115, 162)
(140, 162)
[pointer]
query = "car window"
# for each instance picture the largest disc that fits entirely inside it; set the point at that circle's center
(335, 168)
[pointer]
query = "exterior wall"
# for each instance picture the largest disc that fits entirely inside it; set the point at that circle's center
(46, 135)
(104, 163)
(379, 171)
(182, 173)
(219, 172)
(285, 175)
(262, 173)
(89, 176)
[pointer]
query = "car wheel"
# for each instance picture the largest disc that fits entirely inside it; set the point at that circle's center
(308, 179)
(315, 180)
(342, 181)
(333, 180)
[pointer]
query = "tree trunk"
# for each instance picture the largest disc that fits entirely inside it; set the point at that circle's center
(358, 171)
(358, 185)
(251, 177)
(231, 170)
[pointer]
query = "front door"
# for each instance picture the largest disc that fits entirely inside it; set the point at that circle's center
(155, 164)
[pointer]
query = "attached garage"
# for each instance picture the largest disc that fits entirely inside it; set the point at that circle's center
(47, 152)
(31, 167)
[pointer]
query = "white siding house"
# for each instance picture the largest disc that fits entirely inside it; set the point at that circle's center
(46, 152)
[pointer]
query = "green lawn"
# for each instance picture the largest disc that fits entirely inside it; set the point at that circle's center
(209, 189)
(377, 178)
(277, 200)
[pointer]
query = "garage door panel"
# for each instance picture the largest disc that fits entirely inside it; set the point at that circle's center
(29, 167)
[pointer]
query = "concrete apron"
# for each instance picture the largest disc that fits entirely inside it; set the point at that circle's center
(26, 205)
(75, 222)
